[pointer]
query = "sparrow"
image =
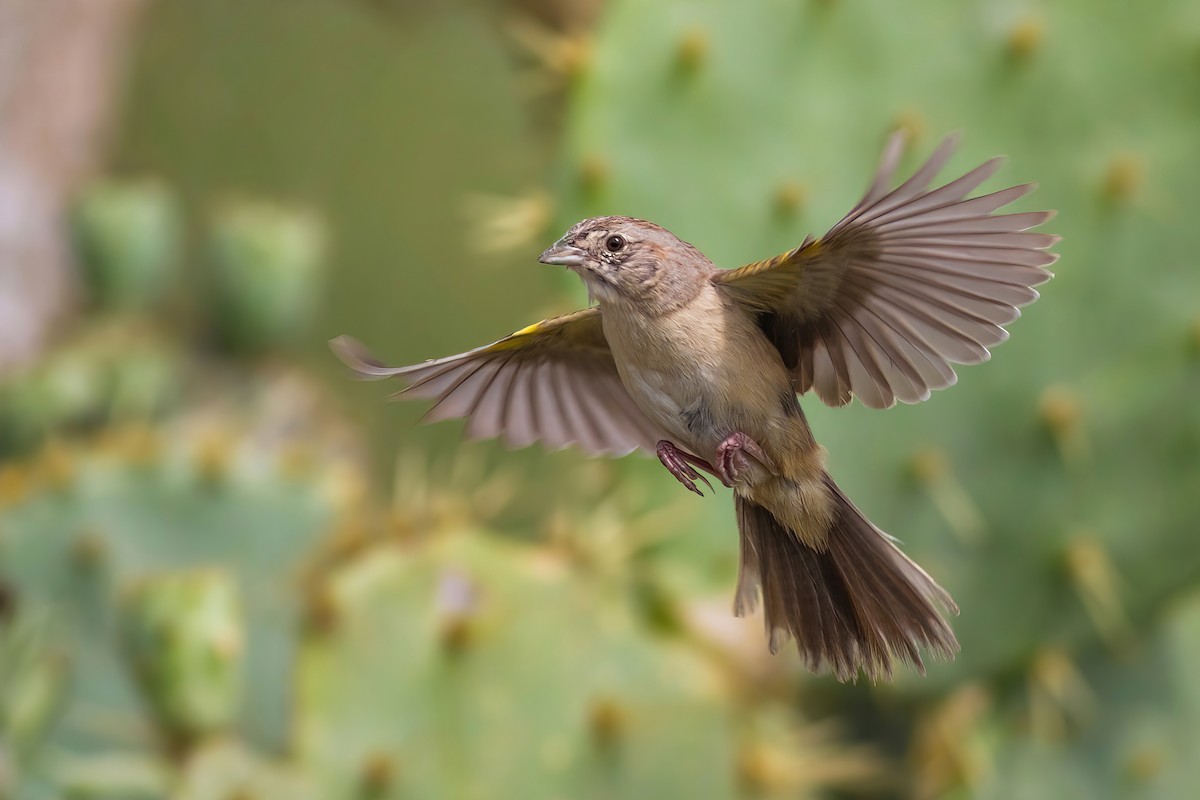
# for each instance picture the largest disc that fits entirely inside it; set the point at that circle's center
(702, 367)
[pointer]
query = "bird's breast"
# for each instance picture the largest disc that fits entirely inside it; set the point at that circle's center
(700, 373)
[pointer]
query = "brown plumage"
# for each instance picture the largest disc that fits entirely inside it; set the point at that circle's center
(702, 366)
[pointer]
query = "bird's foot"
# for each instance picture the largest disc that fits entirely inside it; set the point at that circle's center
(735, 457)
(680, 464)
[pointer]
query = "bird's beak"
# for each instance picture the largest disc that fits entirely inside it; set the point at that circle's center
(563, 254)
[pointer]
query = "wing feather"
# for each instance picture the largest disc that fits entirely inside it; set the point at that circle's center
(949, 195)
(576, 422)
(521, 427)
(458, 399)
(865, 371)
(906, 379)
(908, 332)
(942, 277)
(554, 382)
(486, 419)
(910, 282)
(954, 298)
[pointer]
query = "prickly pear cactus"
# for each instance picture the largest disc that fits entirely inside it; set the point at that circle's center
(471, 666)
(128, 239)
(90, 534)
(184, 635)
(129, 363)
(223, 769)
(1075, 726)
(117, 371)
(32, 679)
(264, 273)
(157, 507)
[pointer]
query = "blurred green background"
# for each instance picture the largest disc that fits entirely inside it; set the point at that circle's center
(226, 571)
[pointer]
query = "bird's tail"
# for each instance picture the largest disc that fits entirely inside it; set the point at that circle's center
(857, 604)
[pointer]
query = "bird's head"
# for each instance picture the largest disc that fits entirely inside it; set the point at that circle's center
(631, 262)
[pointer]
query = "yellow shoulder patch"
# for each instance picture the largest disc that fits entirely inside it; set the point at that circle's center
(528, 329)
(516, 339)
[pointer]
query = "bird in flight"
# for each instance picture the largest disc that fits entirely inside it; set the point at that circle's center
(702, 367)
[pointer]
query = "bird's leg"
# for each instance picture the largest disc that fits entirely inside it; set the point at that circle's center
(733, 458)
(679, 463)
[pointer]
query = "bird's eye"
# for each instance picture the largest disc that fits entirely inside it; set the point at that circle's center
(614, 243)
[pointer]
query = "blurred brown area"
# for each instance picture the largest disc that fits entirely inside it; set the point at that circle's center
(61, 69)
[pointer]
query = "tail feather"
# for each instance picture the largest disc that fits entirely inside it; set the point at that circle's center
(856, 605)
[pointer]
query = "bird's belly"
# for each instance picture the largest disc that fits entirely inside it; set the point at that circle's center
(682, 408)
(656, 395)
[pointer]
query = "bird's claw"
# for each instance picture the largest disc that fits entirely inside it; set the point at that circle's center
(734, 456)
(679, 464)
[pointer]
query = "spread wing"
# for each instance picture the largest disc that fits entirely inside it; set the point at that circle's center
(910, 281)
(554, 382)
